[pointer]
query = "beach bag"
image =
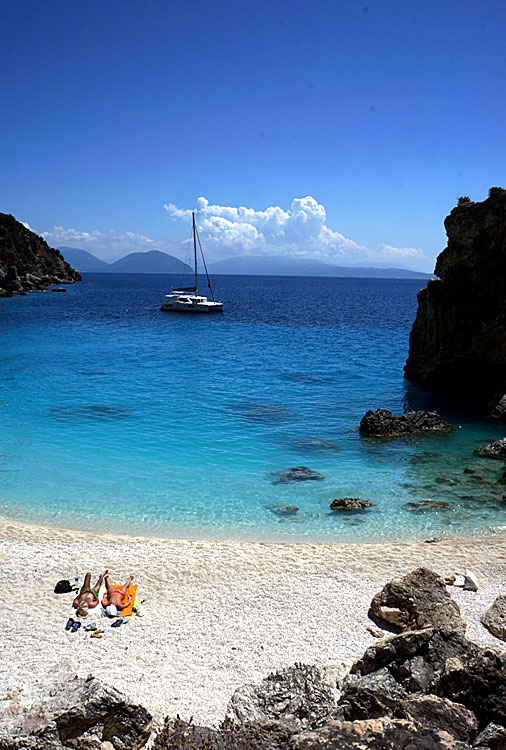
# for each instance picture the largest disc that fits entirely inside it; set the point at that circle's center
(63, 587)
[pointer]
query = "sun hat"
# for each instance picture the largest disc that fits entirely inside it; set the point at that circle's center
(111, 610)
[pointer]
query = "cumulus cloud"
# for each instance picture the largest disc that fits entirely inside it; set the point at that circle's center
(108, 245)
(400, 252)
(300, 230)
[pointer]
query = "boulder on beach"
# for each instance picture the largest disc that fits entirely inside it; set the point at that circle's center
(494, 619)
(350, 504)
(382, 733)
(418, 600)
(83, 714)
(382, 423)
(297, 696)
(432, 661)
(295, 474)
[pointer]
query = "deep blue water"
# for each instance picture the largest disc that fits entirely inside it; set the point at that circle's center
(117, 416)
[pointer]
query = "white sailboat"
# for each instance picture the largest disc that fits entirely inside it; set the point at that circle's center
(187, 299)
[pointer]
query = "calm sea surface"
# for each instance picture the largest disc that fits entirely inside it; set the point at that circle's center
(116, 416)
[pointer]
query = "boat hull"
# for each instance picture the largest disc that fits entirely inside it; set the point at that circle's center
(185, 308)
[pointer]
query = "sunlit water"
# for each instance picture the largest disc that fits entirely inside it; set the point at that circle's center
(117, 416)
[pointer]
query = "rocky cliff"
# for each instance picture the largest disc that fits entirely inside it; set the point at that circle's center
(27, 263)
(458, 340)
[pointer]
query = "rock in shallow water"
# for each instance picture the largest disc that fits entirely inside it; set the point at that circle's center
(350, 504)
(418, 600)
(382, 423)
(496, 449)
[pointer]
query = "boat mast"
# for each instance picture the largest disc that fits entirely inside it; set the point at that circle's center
(195, 250)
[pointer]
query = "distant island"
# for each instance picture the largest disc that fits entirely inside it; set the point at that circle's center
(155, 261)
(152, 261)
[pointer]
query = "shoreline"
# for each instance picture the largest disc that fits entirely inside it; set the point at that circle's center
(218, 613)
(188, 534)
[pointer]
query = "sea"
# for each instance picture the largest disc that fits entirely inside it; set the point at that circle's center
(117, 417)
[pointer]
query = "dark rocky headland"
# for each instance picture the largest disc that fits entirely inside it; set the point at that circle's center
(27, 263)
(457, 343)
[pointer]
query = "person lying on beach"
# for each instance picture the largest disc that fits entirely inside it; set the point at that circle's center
(87, 598)
(113, 600)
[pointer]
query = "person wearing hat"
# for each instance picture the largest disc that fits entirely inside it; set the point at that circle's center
(87, 598)
(113, 600)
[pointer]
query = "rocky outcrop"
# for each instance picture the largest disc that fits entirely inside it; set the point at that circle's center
(426, 662)
(496, 449)
(80, 713)
(27, 263)
(376, 734)
(494, 618)
(457, 340)
(418, 600)
(181, 735)
(350, 504)
(422, 689)
(382, 423)
(298, 697)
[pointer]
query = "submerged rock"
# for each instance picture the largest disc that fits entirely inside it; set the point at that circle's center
(308, 378)
(382, 423)
(427, 506)
(496, 449)
(264, 412)
(296, 474)
(89, 412)
(311, 443)
(418, 600)
(350, 504)
(494, 619)
(283, 510)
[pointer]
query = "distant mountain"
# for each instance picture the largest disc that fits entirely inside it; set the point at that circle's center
(83, 261)
(281, 265)
(153, 261)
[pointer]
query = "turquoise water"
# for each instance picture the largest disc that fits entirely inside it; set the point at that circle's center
(116, 416)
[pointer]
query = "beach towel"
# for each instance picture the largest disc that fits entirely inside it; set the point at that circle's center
(131, 591)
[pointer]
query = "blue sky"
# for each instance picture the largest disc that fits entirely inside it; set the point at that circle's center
(378, 114)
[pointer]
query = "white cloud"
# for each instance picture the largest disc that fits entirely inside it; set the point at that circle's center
(301, 230)
(401, 252)
(107, 245)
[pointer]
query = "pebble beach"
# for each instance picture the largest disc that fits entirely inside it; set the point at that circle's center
(217, 614)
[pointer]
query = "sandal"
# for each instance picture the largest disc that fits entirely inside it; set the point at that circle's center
(75, 627)
(121, 621)
(69, 624)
